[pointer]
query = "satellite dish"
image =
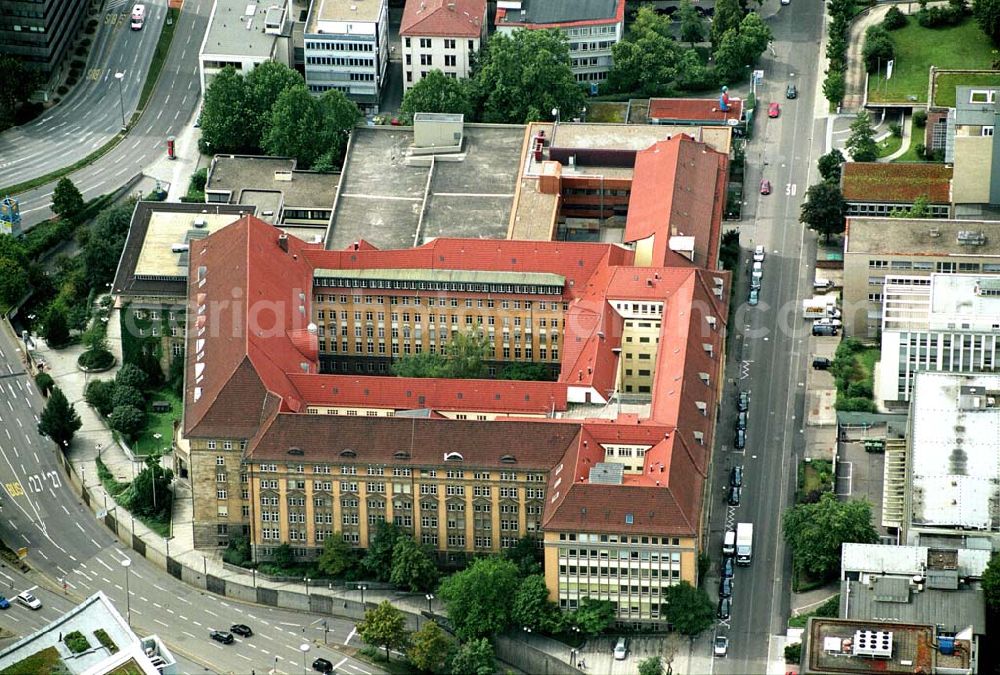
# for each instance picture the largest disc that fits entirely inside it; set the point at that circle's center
(732, 122)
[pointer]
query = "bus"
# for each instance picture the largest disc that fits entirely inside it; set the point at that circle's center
(138, 16)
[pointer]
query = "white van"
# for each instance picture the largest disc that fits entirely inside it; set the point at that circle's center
(138, 17)
(621, 649)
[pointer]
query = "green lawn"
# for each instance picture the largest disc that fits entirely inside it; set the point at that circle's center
(890, 145)
(916, 136)
(606, 111)
(944, 91)
(40, 663)
(917, 49)
(158, 423)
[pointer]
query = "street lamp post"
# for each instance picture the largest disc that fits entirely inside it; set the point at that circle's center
(430, 599)
(121, 98)
(126, 563)
(307, 580)
(304, 648)
(362, 588)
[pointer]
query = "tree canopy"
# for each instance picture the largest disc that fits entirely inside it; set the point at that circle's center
(829, 165)
(651, 666)
(647, 59)
(991, 583)
(692, 26)
(59, 420)
(464, 357)
(689, 609)
(987, 15)
(337, 556)
(727, 16)
(149, 493)
(13, 282)
(228, 123)
(823, 209)
(16, 85)
(522, 77)
(817, 531)
(105, 245)
(739, 47)
(438, 93)
(430, 647)
(412, 565)
(378, 558)
(592, 617)
(861, 143)
(478, 598)
(532, 607)
(474, 657)
(67, 202)
(383, 626)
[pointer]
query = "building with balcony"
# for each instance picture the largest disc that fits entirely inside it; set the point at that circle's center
(592, 28)
(347, 48)
(441, 35)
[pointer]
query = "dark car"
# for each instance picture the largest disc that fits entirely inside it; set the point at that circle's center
(725, 608)
(726, 587)
(733, 499)
(753, 299)
(743, 401)
(241, 629)
(4, 603)
(322, 666)
(821, 363)
(741, 420)
(824, 329)
(222, 636)
(740, 441)
(728, 567)
(791, 91)
(736, 476)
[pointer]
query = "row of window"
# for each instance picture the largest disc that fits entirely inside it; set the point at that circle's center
(602, 46)
(340, 61)
(450, 60)
(425, 285)
(940, 266)
(434, 301)
(425, 43)
(340, 46)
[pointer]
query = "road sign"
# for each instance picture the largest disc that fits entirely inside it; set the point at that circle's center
(22, 553)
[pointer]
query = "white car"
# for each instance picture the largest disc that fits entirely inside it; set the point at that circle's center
(758, 270)
(830, 321)
(758, 254)
(29, 600)
(721, 646)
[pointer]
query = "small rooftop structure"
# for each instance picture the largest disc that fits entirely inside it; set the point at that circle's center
(858, 646)
(858, 561)
(694, 111)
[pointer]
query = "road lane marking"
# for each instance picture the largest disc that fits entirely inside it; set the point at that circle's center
(197, 623)
(106, 565)
(65, 509)
(161, 623)
(159, 588)
(188, 634)
(351, 634)
(244, 657)
(266, 637)
(80, 527)
(208, 611)
(41, 553)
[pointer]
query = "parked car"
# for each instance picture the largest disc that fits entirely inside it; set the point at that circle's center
(721, 645)
(755, 283)
(758, 254)
(822, 363)
(822, 330)
(733, 499)
(725, 608)
(4, 603)
(241, 629)
(728, 567)
(822, 284)
(321, 665)
(765, 186)
(29, 600)
(736, 476)
(725, 587)
(790, 90)
(773, 110)
(740, 440)
(741, 420)
(222, 636)
(757, 271)
(621, 649)
(828, 321)
(743, 401)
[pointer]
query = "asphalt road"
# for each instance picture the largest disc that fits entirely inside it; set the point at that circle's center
(769, 351)
(172, 105)
(68, 545)
(91, 113)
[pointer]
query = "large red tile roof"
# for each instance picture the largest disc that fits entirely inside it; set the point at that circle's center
(897, 182)
(443, 18)
(693, 110)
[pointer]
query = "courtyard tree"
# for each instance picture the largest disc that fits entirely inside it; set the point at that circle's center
(861, 143)
(55, 330)
(264, 85)
(149, 492)
(294, 122)
(412, 565)
(127, 420)
(689, 609)
(378, 559)
(59, 420)
(337, 556)
(532, 607)
(824, 209)
(816, 532)
(227, 118)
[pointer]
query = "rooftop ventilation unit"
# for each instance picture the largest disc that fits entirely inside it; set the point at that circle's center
(200, 222)
(971, 237)
(876, 644)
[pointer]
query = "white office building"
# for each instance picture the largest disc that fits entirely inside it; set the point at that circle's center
(347, 48)
(942, 322)
(244, 34)
(441, 35)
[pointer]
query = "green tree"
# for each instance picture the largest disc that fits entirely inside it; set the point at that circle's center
(227, 118)
(920, 209)
(131, 375)
(16, 85)
(149, 493)
(175, 378)
(337, 557)
(740, 47)
(519, 370)
(423, 364)
(834, 86)
(824, 209)
(523, 76)
(438, 93)
(127, 395)
(238, 550)
(478, 597)
(861, 143)
(295, 119)
(127, 420)
(727, 16)
(11, 247)
(526, 555)
(339, 116)
(265, 85)
(412, 565)
(383, 626)
(593, 617)
(99, 394)
(532, 607)
(59, 420)
(829, 165)
(45, 383)
(474, 657)
(55, 330)
(67, 202)
(651, 666)
(647, 60)
(991, 583)
(816, 532)
(283, 556)
(987, 15)
(378, 559)
(13, 282)
(692, 26)
(430, 648)
(467, 353)
(689, 609)
(105, 245)
(879, 47)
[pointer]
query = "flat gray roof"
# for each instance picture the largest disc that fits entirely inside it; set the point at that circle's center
(920, 236)
(237, 27)
(246, 177)
(341, 10)
(562, 11)
(954, 610)
(384, 191)
(975, 114)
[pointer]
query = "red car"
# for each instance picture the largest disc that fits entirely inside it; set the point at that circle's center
(773, 110)
(765, 186)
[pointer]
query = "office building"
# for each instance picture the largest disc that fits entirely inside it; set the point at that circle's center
(244, 35)
(39, 32)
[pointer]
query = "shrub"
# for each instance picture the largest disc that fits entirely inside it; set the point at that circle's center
(76, 642)
(793, 653)
(920, 118)
(105, 640)
(85, 42)
(98, 359)
(846, 404)
(921, 150)
(896, 130)
(894, 19)
(44, 382)
(80, 51)
(127, 395)
(62, 90)
(76, 64)
(98, 394)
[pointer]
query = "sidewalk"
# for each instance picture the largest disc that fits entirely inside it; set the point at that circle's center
(855, 79)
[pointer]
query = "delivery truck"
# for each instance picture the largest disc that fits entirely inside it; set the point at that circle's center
(744, 543)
